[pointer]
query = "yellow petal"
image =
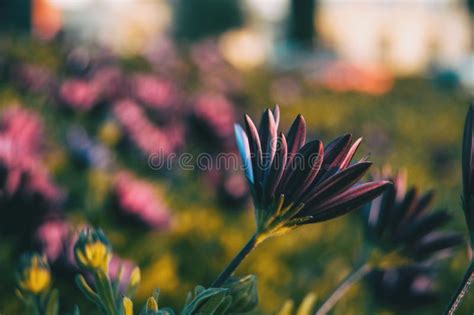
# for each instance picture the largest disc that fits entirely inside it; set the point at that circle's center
(152, 305)
(127, 306)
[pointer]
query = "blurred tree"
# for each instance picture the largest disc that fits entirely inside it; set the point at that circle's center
(301, 23)
(470, 7)
(15, 15)
(194, 20)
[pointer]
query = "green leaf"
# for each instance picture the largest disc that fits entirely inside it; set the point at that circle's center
(105, 291)
(89, 293)
(53, 305)
(224, 308)
(201, 297)
(243, 292)
(30, 305)
(212, 304)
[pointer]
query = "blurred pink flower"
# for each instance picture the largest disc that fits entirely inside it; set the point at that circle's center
(109, 81)
(34, 77)
(137, 199)
(154, 92)
(52, 236)
(233, 189)
(147, 136)
(21, 137)
(216, 113)
(24, 128)
(127, 266)
(79, 94)
(25, 184)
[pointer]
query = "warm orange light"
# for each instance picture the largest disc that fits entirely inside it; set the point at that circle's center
(46, 19)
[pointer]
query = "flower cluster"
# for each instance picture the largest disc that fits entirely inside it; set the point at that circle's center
(138, 200)
(25, 184)
(144, 133)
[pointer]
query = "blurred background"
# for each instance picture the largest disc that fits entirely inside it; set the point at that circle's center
(90, 89)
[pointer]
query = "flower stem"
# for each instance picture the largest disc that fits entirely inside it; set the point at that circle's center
(461, 291)
(251, 244)
(343, 287)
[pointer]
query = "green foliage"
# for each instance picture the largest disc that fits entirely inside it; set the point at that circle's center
(243, 292)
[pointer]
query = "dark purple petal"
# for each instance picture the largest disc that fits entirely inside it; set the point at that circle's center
(348, 201)
(335, 152)
(305, 167)
(434, 242)
(296, 136)
(423, 204)
(350, 154)
(379, 216)
(415, 230)
(268, 137)
(337, 183)
(277, 168)
(400, 212)
(276, 115)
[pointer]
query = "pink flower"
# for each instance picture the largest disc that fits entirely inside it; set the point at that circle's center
(147, 136)
(109, 81)
(34, 77)
(79, 94)
(154, 92)
(24, 128)
(215, 113)
(52, 236)
(137, 199)
(21, 136)
(123, 278)
(27, 193)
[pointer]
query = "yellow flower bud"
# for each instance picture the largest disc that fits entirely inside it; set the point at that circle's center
(135, 277)
(127, 306)
(34, 276)
(92, 250)
(151, 305)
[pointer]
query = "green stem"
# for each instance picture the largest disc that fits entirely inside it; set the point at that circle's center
(461, 291)
(235, 262)
(38, 303)
(104, 289)
(343, 287)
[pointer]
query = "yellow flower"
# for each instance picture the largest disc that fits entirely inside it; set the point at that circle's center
(92, 250)
(127, 306)
(135, 277)
(109, 133)
(35, 275)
